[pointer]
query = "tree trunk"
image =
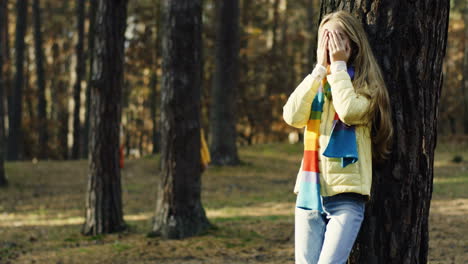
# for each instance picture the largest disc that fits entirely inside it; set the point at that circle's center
(42, 104)
(7, 81)
(3, 30)
(465, 68)
(104, 199)
(179, 211)
(91, 32)
(312, 27)
(409, 41)
(154, 81)
(15, 135)
(225, 83)
(80, 71)
(153, 107)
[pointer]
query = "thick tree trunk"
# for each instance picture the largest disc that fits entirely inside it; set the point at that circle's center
(225, 84)
(42, 104)
(91, 32)
(80, 71)
(15, 135)
(104, 199)
(409, 41)
(179, 211)
(3, 28)
(312, 27)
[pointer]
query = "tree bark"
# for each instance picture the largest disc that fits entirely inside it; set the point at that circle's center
(42, 103)
(225, 84)
(154, 82)
(465, 67)
(3, 30)
(104, 198)
(409, 41)
(153, 108)
(91, 32)
(15, 133)
(179, 211)
(80, 71)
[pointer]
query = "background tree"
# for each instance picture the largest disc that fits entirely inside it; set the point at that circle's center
(42, 103)
(104, 199)
(3, 28)
(465, 65)
(224, 94)
(179, 211)
(395, 229)
(80, 72)
(15, 131)
(91, 32)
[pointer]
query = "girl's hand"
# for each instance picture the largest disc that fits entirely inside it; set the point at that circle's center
(339, 50)
(322, 50)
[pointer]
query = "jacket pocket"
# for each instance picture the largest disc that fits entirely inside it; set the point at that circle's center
(334, 166)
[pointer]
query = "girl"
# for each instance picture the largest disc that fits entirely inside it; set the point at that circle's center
(345, 109)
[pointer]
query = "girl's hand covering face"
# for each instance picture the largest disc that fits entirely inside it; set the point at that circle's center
(322, 49)
(339, 50)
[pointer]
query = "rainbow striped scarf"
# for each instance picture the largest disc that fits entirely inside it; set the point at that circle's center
(342, 144)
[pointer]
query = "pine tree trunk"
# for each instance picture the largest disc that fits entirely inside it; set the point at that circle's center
(3, 29)
(312, 27)
(91, 32)
(154, 81)
(465, 68)
(42, 104)
(7, 80)
(225, 84)
(104, 199)
(80, 71)
(179, 211)
(153, 107)
(409, 41)
(15, 133)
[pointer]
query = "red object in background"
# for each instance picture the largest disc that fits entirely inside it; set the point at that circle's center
(121, 157)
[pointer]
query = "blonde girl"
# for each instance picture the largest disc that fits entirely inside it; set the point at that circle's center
(358, 99)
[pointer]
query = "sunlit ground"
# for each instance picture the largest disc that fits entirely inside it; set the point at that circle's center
(252, 206)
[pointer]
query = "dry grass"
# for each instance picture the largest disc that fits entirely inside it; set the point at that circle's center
(42, 212)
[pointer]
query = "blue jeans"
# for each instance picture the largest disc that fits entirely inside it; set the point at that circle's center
(327, 239)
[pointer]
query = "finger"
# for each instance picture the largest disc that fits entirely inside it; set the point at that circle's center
(331, 48)
(325, 38)
(333, 41)
(338, 42)
(323, 35)
(322, 41)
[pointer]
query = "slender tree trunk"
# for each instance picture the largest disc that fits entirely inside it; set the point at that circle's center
(153, 107)
(179, 211)
(395, 229)
(465, 68)
(225, 83)
(154, 81)
(3, 28)
(104, 201)
(91, 32)
(80, 71)
(7, 80)
(15, 133)
(42, 104)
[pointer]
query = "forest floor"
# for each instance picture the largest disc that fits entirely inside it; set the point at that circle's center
(252, 207)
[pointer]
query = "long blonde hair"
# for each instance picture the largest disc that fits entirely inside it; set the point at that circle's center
(367, 75)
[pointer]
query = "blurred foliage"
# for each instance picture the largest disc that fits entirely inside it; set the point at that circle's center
(274, 57)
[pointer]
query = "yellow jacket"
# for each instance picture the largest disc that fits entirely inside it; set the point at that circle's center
(351, 107)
